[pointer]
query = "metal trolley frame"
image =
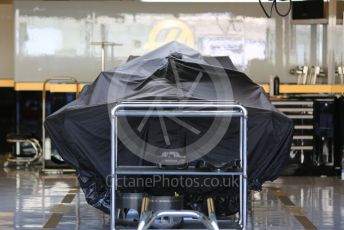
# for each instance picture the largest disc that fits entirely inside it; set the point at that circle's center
(17, 139)
(155, 108)
(62, 79)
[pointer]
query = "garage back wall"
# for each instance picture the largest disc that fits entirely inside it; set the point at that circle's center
(54, 37)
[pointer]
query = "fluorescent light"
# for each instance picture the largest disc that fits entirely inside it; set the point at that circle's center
(204, 1)
(217, 1)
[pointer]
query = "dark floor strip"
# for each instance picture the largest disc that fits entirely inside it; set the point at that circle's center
(286, 201)
(297, 212)
(59, 209)
(306, 223)
(53, 220)
(68, 198)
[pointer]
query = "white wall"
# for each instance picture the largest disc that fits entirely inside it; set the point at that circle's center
(54, 38)
(6, 41)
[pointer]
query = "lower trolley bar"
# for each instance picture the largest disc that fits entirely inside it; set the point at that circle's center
(134, 171)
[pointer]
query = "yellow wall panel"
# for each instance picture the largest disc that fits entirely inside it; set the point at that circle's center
(7, 83)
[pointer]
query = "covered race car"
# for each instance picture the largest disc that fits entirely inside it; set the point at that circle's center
(81, 129)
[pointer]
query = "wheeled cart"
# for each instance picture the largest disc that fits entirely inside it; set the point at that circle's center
(46, 168)
(28, 139)
(192, 219)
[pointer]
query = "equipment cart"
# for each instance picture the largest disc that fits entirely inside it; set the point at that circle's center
(47, 165)
(192, 219)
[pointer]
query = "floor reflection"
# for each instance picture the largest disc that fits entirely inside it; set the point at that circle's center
(31, 201)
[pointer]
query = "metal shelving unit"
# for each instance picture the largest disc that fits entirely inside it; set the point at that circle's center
(180, 109)
(301, 112)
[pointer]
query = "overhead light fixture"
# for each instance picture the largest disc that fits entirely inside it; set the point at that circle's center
(203, 1)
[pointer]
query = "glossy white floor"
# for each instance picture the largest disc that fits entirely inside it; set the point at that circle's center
(29, 200)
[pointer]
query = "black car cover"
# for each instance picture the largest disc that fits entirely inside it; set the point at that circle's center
(81, 130)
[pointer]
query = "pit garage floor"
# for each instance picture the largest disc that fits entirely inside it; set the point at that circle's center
(29, 200)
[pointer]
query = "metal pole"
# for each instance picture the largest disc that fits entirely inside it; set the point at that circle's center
(331, 41)
(115, 168)
(241, 175)
(43, 119)
(244, 224)
(103, 56)
(113, 150)
(103, 44)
